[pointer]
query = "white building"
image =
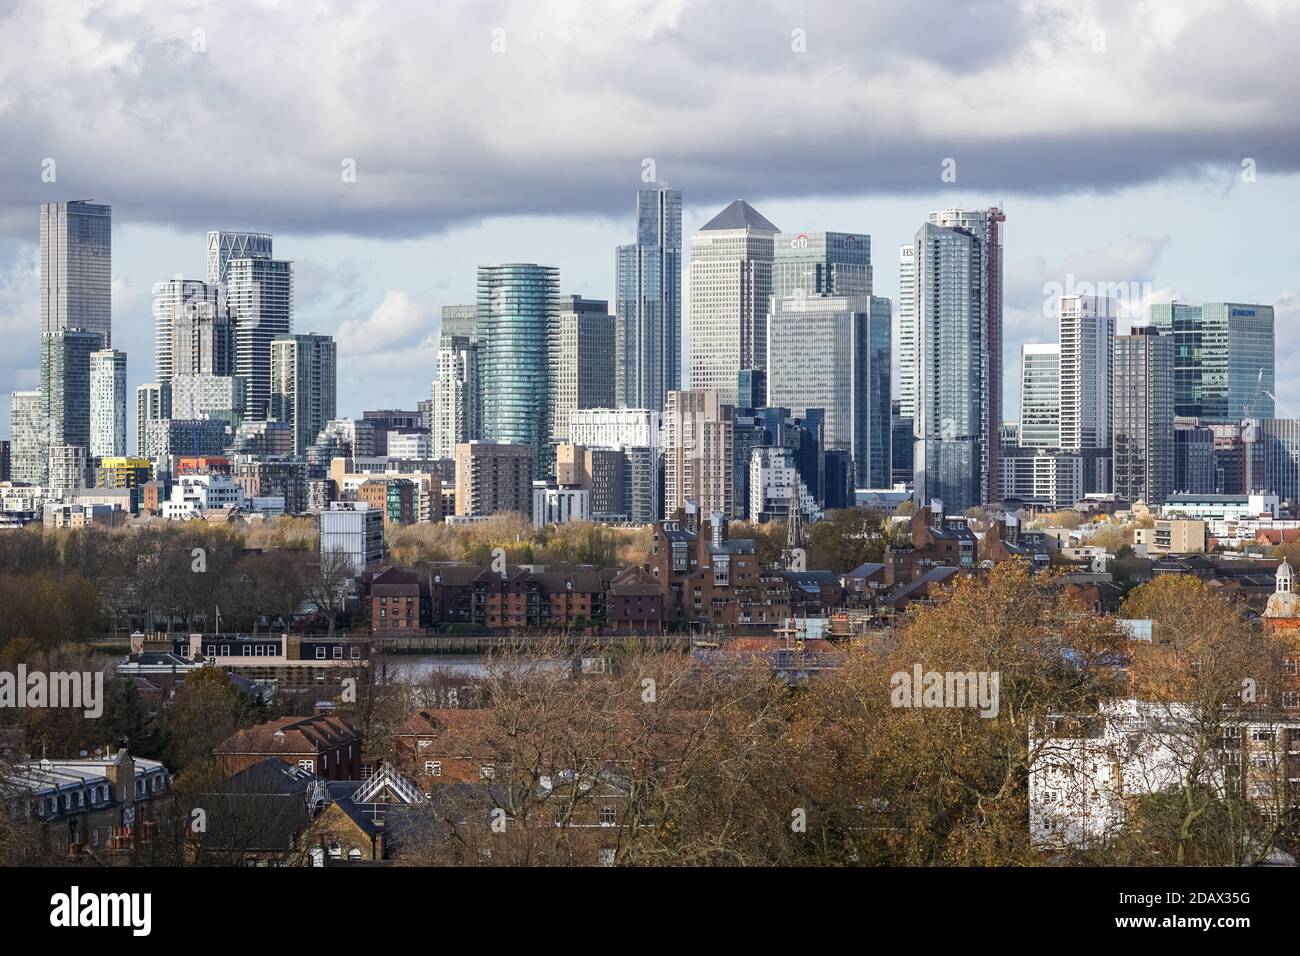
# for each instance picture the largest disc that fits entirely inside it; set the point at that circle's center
(356, 529)
(559, 505)
(67, 469)
(208, 396)
(457, 405)
(772, 477)
(1222, 507)
(1040, 396)
(192, 495)
(410, 445)
(27, 457)
(107, 403)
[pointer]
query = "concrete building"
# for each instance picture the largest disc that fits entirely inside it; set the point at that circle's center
(1043, 478)
(1172, 536)
(558, 505)
(153, 402)
(698, 433)
(1143, 422)
(107, 403)
(613, 427)
(209, 396)
(493, 478)
(457, 393)
(731, 280)
(67, 469)
(193, 495)
(772, 480)
(183, 309)
(28, 461)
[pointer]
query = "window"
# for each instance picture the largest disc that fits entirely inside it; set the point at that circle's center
(338, 651)
(307, 765)
(356, 652)
(487, 771)
(354, 854)
(320, 653)
(608, 816)
(605, 857)
(433, 768)
(1261, 735)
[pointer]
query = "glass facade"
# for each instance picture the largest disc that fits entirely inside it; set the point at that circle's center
(1223, 360)
(648, 302)
(1040, 396)
(821, 263)
(260, 295)
(518, 309)
(76, 268)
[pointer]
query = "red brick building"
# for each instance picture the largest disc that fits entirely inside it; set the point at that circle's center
(325, 744)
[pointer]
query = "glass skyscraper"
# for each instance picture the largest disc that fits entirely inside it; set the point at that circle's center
(76, 268)
(821, 263)
(1223, 359)
(65, 385)
(833, 353)
(518, 309)
(260, 295)
(1040, 396)
(648, 302)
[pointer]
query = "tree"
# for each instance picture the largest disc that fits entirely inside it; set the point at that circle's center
(845, 539)
(326, 584)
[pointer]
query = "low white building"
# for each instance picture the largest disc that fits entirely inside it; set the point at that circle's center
(192, 495)
(559, 505)
(1222, 507)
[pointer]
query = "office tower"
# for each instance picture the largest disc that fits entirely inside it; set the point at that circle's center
(901, 445)
(303, 385)
(517, 311)
(907, 357)
(1040, 396)
(223, 246)
(153, 402)
(1193, 457)
(698, 432)
(731, 280)
(27, 449)
(833, 353)
(107, 403)
(957, 325)
(751, 387)
(457, 405)
(1143, 414)
(175, 302)
(209, 396)
(65, 385)
(168, 437)
(582, 361)
(6, 461)
(459, 320)
(267, 438)
(259, 293)
(648, 302)
(76, 268)
(355, 529)
(821, 263)
(1223, 359)
(1087, 336)
(494, 477)
(1274, 445)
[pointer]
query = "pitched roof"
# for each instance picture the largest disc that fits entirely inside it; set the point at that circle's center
(739, 215)
(290, 735)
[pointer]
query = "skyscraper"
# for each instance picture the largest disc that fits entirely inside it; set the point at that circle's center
(76, 268)
(1223, 360)
(517, 311)
(648, 302)
(176, 303)
(1143, 429)
(203, 338)
(731, 280)
(1087, 337)
(1040, 396)
(833, 352)
(457, 405)
(107, 403)
(27, 451)
(821, 263)
(582, 371)
(259, 292)
(951, 424)
(65, 385)
(224, 245)
(303, 385)
(907, 332)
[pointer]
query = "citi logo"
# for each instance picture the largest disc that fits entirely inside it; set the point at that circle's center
(75, 909)
(800, 241)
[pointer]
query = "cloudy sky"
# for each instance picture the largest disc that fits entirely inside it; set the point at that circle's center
(1154, 144)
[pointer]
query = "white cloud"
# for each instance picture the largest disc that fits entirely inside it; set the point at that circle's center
(397, 320)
